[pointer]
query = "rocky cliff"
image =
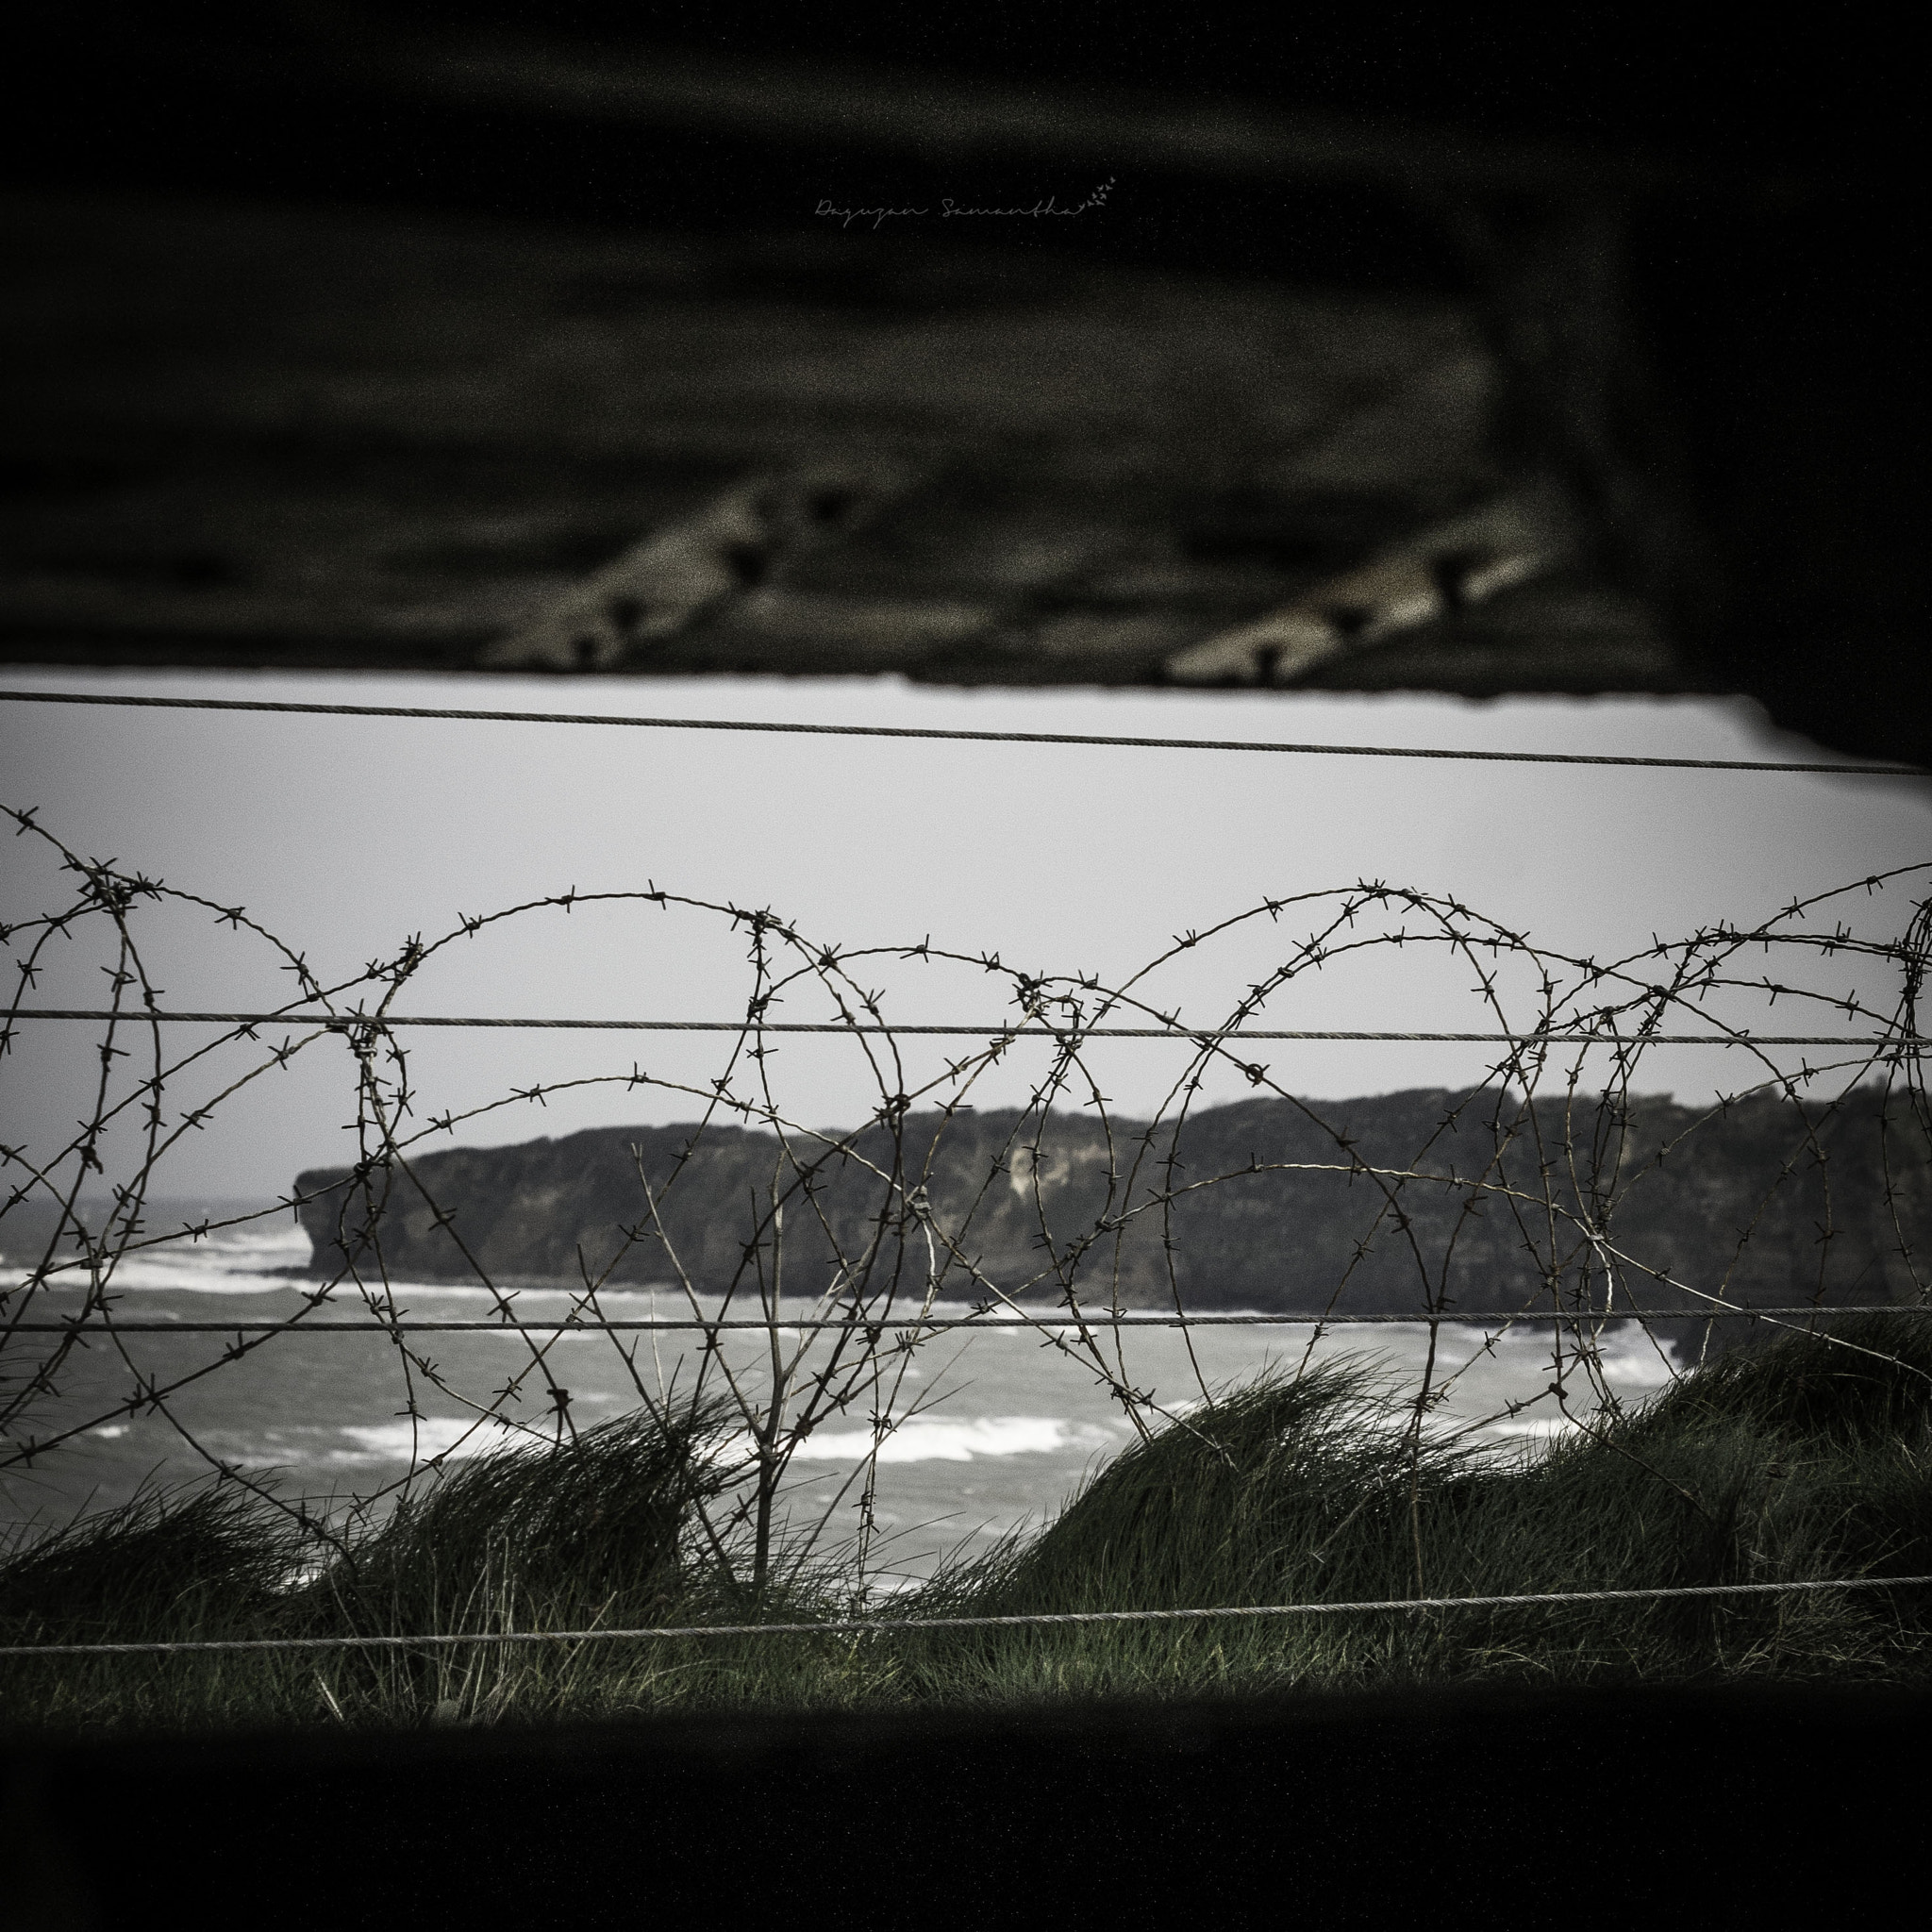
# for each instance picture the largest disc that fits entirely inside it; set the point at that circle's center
(1255, 1205)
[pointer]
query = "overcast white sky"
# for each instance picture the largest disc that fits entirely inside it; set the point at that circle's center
(345, 836)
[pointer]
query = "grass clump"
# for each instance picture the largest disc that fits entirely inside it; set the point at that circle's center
(1810, 1458)
(613, 1529)
(207, 1561)
(1807, 1459)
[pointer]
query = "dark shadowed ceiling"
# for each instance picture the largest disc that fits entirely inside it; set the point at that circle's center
(472, 339)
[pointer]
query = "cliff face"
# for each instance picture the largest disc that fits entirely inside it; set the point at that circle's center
(1740, 1203)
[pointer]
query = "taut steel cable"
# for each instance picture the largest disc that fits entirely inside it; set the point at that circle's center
(867, 1626)
(1350, 751)
(986, 1029)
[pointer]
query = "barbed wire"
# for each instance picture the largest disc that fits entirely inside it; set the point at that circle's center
(1550, 1178)
(1234, 744)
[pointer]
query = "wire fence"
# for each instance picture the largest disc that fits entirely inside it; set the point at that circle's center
(813, 1267)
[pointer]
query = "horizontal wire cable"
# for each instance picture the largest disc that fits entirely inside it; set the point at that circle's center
(1357, 751)
(991, 1029)
(375, 1326)
(866, 1627)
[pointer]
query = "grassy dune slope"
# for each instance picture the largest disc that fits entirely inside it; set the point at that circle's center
(1808, 1458)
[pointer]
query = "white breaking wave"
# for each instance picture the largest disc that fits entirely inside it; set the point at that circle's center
(452, 1435)
(1536, 1428)
(924, 1438)
(936, 1439)
(231, 1260)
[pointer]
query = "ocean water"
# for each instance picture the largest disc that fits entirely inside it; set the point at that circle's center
(991, 1431)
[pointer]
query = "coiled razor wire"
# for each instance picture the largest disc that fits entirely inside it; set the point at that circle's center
(1555, 1162)
(879, 1626)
